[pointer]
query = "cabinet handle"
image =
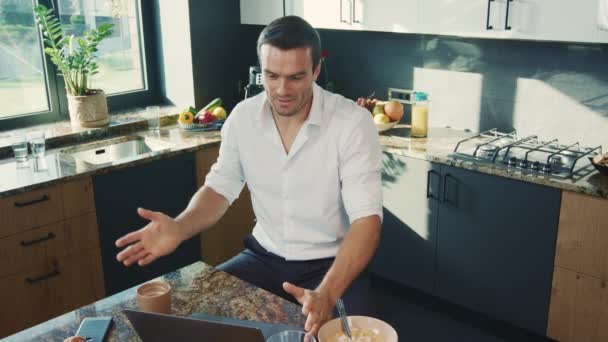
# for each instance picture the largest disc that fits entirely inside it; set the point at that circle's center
(52, 274)
(341, 10)
(507, 27)
(445, 198)
(354, 15)
(25, 204)
(488, 26)
(38, 240)
(429, 194)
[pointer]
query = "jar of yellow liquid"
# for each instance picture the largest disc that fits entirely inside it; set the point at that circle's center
(420, 115)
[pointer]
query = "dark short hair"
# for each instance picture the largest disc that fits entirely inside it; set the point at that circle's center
(292, 32)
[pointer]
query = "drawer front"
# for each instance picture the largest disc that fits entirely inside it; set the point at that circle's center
(58, 286)
(30, 210)
(78, 197)
(27, 250)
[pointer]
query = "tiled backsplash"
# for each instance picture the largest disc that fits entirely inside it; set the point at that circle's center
(555, 90)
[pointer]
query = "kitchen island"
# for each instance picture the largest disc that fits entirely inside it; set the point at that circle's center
(197, 288)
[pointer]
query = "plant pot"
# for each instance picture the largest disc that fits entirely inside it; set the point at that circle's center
(89, 110)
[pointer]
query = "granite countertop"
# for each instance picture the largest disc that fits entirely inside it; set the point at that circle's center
(198, 288)
(440, 143)
(58, 167)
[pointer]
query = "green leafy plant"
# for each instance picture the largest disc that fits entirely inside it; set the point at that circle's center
(74, 56)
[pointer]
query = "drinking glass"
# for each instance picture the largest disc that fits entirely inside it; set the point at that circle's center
(153, 116)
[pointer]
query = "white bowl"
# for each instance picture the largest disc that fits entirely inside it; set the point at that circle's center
(385, 126)
(331, 328)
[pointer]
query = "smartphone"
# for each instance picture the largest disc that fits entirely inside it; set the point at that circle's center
(94, 329)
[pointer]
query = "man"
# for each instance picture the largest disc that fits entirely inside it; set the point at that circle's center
(311, 160)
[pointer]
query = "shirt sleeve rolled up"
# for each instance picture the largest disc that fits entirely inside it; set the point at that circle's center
(360, 171)
(226, 176)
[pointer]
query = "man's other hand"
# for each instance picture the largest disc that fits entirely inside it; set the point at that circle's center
(316, 305)
(159, 237)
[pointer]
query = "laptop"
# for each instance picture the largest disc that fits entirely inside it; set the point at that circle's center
(153, 327)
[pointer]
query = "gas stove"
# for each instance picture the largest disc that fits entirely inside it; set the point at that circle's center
(528, 154)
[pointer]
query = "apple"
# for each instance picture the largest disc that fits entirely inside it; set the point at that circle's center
(381, 119)
(219, 112)
(207, 117)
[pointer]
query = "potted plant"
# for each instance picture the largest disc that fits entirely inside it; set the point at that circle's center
(75, 58)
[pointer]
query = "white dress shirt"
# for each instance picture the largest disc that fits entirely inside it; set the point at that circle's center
(304, 200)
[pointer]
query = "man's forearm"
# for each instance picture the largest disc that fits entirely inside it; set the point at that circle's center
(354, 254)
(205, 208)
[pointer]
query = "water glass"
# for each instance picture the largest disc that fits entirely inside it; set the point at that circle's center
(153, 116)
(37, 143)
(19, 144)
(291, 336)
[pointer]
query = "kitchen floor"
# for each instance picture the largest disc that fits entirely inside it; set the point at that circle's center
(423, 318)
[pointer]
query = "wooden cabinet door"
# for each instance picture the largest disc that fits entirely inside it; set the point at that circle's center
(406, 253)
(30, 210)
(495, 246)
(260, 12)
(582, 238)
(47, 290)
(78, 197)
(579, 307)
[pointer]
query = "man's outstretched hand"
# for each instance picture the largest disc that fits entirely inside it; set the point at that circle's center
(159, 237)
(316, 305)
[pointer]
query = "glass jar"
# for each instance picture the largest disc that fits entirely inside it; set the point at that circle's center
(420, 115)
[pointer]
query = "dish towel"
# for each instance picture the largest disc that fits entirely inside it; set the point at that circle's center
(602, 15)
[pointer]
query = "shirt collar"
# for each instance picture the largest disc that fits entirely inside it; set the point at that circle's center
(315, 117)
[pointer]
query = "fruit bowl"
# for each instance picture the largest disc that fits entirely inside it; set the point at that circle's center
(600, 163)
(381, 127)
(212, 126)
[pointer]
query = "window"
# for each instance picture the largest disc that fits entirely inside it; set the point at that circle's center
(31, 92)
(22, 75)
(120, 66)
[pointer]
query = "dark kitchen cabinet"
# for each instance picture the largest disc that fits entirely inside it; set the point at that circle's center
(496, 245)
(483, 242)
(164, 185)
(407, 245)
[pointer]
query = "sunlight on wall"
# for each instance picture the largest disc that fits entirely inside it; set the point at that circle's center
(455, 97)
(542, 109)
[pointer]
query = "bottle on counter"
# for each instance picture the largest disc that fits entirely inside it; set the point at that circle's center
(420, 115)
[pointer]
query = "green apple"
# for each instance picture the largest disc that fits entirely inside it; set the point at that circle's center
(381, 119)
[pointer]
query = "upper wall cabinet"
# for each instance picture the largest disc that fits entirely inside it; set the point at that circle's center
(386, 15)
(566, 20)
(549, 20)
(260, 12)
(328, 14)
(377, 15)
(467, 18)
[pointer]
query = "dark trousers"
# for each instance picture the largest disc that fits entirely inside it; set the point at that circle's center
(268, 271)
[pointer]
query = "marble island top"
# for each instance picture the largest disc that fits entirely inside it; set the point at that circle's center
(198, 288)
(58, 166)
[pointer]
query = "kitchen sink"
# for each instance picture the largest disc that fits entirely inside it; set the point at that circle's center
(107, 152)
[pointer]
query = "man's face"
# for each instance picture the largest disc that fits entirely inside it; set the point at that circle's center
(288, 78)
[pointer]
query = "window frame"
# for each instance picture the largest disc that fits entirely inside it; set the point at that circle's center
(57, 96)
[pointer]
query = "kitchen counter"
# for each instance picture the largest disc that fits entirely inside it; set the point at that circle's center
(58, 167)
(197, 288)
(440, 142)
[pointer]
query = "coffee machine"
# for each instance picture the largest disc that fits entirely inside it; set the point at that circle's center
(255, 82)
